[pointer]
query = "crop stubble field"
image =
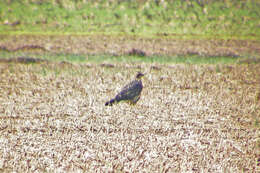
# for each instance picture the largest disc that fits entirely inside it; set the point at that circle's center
(190, 118)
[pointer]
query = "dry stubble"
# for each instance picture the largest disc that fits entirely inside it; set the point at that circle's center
(196, 118)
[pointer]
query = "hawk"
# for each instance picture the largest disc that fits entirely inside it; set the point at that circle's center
(130, 93)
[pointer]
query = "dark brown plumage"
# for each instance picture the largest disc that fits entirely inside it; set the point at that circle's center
(130, 93)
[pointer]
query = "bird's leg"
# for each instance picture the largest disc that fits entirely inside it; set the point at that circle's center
(135, 100)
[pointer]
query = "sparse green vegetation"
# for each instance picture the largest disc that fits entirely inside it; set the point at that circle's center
(97, 59)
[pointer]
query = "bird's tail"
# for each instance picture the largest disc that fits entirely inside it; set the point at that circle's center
(110, 103)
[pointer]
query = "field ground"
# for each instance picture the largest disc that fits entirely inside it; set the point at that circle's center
(60, 61)
(116, 45)
(199, 110)
(197, 118)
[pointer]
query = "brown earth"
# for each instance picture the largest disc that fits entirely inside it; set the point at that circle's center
(119, 45)
(190, 118)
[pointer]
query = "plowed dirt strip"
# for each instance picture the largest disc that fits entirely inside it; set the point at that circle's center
(119, 45)
(197, 118)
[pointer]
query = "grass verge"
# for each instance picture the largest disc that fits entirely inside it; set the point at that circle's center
(224, 19)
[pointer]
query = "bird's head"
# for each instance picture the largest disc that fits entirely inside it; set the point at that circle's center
(139, 75)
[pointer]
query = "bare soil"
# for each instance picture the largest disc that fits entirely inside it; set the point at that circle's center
(190, 118)
(120, 45)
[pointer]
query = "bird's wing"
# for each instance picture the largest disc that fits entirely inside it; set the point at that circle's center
(130, 91)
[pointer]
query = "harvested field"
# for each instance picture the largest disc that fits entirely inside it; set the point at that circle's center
(190, 118)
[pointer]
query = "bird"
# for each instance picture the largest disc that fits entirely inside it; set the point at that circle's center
(130, 93)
